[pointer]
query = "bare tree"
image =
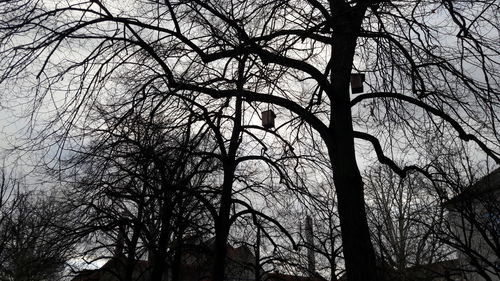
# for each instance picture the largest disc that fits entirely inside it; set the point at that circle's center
(403, 214)
(34, 238)
(431, 67)
(141, 183)
(471, 225)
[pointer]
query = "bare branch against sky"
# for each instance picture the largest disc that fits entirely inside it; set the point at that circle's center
(205, 71)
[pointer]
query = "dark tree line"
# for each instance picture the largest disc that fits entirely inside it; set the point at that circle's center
(35, 241)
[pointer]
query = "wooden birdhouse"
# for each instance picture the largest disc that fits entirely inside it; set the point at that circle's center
(268, 117)
(357, 80)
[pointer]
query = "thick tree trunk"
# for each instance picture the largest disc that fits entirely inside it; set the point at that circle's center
(160, 255)
(222, 224)
(131, 259)
(176, 264)
(358, 250)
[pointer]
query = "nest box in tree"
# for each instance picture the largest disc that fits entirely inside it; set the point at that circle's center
(268, 117)
(357, 80)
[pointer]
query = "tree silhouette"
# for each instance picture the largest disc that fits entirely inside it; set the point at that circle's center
(35, 244)
(430, 68)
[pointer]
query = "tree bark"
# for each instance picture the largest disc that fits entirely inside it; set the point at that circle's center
(222, 222)
(357, 247)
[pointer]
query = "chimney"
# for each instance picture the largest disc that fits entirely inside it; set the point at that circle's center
(311, 261)
(120, 244)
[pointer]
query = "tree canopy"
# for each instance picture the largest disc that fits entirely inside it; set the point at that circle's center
(430, 79)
